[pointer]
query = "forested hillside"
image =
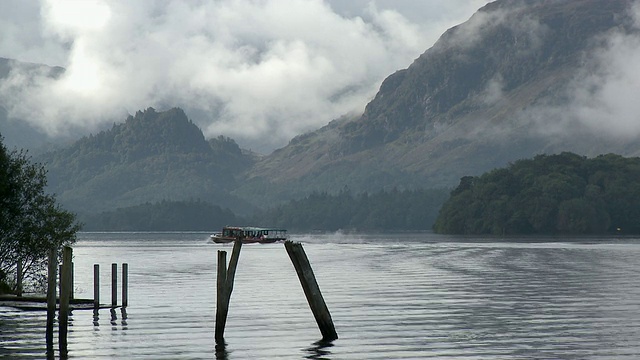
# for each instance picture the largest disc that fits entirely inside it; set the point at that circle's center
(152, 156)
(162, 216)
(381, 211)
(550, 194)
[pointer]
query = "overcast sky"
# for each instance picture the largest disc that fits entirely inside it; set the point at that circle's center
(259, 71)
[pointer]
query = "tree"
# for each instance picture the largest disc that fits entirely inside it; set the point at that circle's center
(31, 222)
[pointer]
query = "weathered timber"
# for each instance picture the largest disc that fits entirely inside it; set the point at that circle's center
(65, 295)
(311, 290)
(96, 286)
(51, 297)
(221, 308)
(225, 287)
(125, 285)
(114, 284)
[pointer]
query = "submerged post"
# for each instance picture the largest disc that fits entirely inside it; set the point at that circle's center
(96, 286)
(225, 287)
(51, 297)
(125, 285)
(221, 308)
(65, 295)
(114, 284)
(311, 290)
(19, 278)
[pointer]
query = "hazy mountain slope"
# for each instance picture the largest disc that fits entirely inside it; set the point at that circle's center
(490, 91)
(153, 156)
(17, 132)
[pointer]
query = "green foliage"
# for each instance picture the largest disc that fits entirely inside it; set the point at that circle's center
(31, 222)
(549, 194)
(392, 210)
(163, 216)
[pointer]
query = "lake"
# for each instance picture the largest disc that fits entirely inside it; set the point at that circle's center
(394, 296)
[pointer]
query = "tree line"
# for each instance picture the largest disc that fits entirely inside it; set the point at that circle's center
(549, 194)
(31, 221)
(382, 211)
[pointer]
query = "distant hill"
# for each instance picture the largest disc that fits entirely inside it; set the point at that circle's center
(549, 194)
(18, 133)
(151, 157)
(467, 105)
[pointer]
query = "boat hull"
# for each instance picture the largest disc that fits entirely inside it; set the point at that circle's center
(226, 240)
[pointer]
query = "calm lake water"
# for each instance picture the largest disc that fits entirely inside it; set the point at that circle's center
(400, 296)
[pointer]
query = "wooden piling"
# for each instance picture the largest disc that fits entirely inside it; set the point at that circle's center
(114, 284)
(96, 286)
(65, 295)
(221, 316)
(224, 288)
(51, 297)
(19, 278)
(125, 285)
(311, 290)
(72, 282)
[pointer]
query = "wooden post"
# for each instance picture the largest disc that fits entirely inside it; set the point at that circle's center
(311, 290)
(51, 298)
(70, 282)
(125, 285)
(225, 287)
(96, 286)
(59, 281)
(65, 294)
(221, 316)
(71, 291)
(231, 272)
(19, 278)
(114, 284)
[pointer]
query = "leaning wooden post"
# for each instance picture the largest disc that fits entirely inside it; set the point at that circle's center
(51, 297)
(311, 290)
(231, 272)
(125, 285)
(96, 286)
(220, 295)
(65, 295)
(114, 284)
(19, 278)
(225, 287)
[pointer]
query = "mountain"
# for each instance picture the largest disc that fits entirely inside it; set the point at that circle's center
(17, 132)
(151, 157)
(490, 91)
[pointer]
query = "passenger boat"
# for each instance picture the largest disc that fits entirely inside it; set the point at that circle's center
(249, 235)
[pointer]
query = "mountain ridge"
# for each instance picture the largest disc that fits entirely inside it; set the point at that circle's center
(459, 109)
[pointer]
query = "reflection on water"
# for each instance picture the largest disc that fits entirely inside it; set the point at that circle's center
(404, 296)
(221, 352)
(319, 350)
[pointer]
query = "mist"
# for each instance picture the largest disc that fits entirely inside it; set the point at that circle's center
(260, 72)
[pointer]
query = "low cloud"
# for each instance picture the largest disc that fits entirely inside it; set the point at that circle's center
(602, 98)
(258, 71)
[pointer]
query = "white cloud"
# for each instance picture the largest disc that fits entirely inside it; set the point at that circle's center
(602, 97)
(242, 68)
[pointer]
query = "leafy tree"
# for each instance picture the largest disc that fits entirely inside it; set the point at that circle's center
(31, 222)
